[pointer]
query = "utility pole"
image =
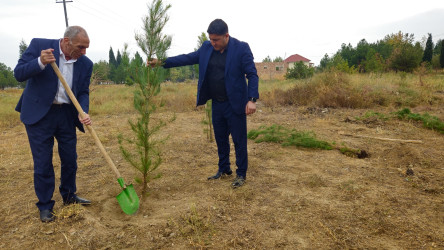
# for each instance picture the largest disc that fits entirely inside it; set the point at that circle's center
(64, 7)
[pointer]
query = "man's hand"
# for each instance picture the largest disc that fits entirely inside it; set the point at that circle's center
(85, 119)
(250, 108)
(154, 62)
(47, 57)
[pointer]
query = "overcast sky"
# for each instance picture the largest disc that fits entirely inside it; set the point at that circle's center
(275, 28)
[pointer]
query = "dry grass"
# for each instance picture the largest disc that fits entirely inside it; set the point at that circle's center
(8, 100)
(340, 90)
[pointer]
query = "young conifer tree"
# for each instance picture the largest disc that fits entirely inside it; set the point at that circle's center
(142, 151)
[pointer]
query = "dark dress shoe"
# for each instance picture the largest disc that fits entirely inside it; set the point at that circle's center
(47, 215)
(220, 174)
(76, 200)
(239, 181)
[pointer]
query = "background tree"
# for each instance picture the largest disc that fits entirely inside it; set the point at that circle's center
(441, 57)
(118, 58)
(278, 59)
(135, 64)
(362, 50)
(325, 61)
(267, 59)
(112, 58)
(200, 40)
(437, 48)
(120, 73)
(112, 64)
(7, 78)
(22, 47)
(406, 55)
(101, 70)
(141, 150)
(428, 51)
(299, 71)
(373, 62)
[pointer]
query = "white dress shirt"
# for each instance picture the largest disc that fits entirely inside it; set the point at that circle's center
(67, 69)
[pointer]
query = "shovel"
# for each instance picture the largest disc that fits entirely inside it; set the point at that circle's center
(128, 199)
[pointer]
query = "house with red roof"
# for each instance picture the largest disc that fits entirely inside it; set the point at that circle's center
(291, 60)
(277, 70)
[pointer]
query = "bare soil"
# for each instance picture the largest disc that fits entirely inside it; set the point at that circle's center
(294, 198)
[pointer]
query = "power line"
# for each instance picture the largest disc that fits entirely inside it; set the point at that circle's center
(64, 7)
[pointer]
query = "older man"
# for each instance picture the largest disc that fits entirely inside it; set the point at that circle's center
(47, 112)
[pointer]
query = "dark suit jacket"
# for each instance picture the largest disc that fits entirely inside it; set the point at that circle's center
(238, 67)
(42, 85)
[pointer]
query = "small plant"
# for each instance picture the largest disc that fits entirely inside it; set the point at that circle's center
(207, 121)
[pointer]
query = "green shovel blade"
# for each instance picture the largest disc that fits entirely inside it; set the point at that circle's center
(128, 199)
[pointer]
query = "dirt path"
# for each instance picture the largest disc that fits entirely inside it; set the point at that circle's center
(294, 198)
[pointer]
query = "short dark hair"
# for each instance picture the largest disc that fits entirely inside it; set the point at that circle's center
(218, 27)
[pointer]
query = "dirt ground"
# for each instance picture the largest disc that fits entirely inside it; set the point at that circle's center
(294, 198)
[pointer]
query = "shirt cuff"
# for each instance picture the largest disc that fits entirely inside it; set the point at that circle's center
(42, 66)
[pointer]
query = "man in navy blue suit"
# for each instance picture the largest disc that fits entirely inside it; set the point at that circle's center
(48, 113)
(224, 65)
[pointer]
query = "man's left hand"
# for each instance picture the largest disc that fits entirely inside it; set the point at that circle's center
(250, 108)
(85, 119)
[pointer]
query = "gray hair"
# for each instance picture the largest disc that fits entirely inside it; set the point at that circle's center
(72, 31)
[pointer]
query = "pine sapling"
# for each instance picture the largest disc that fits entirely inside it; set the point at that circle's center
(142, 150)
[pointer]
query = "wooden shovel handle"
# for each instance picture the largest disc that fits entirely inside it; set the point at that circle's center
(82, 114)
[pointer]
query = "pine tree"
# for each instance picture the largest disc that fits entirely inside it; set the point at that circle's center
(118, 58)
(141, 150)
(22, 47)
(112, 59)
(441, 57)
(428, 52)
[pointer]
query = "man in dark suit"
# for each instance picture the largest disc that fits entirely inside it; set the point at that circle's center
(224, 64)
(48, 113)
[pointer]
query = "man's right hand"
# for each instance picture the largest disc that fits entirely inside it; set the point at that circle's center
(47, 57)
(154, 62)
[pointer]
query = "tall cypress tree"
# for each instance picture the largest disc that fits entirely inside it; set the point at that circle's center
(112, 59)
(428, 52)
(441, 57)
(118, 58)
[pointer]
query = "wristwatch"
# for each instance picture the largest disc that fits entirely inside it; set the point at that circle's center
(252, 99)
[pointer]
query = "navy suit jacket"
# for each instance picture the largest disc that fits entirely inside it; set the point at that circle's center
(42, 85)
(239, 66)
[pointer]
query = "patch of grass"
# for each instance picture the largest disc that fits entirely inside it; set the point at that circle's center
(8, 100)
(291, 137)
(428, 121)
(71, 211)
(315, 181)
(196, 228)
(287, 137)
(372, 114)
